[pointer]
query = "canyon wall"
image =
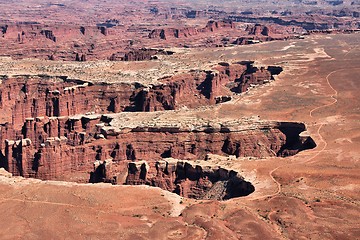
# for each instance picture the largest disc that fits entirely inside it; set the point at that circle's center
(139, 54)
(211, 26)
(199, 181)
(52, 127)
(58, 146)
(23, 97)
(106, 40)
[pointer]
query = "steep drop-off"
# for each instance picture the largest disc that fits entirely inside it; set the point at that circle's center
(54, 127)
(27, 96)
(54, 147)
(190, 180)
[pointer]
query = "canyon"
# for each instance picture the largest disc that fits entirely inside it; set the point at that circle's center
(85, 43)
(119, 34)
(179, 119)
(186, 180)
(56, 127)
(27, 96)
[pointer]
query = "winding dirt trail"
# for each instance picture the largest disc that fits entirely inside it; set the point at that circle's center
(351, 50)
(333, 97)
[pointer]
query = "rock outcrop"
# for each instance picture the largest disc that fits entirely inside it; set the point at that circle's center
(259, 30)
(198, 181)
(298, 24)
(169, 33)
(139, 54)
(24, 96)
(48, 34)
(62, 145)
(215, 25)
(52, 127)
(60, 35)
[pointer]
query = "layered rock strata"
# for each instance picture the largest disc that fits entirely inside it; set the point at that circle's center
(53, 147)
(80, 42)
(52, 127)
(139, 54)
(27, 96)
(211, 26)
(189, 179)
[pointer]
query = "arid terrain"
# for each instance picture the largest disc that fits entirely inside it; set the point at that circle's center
(179, 120)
